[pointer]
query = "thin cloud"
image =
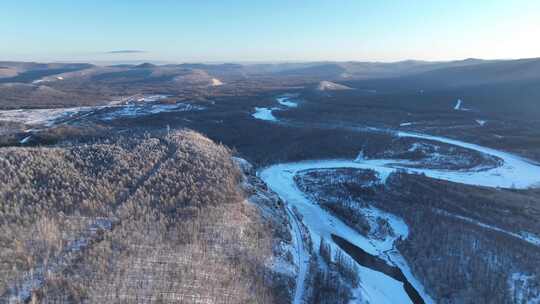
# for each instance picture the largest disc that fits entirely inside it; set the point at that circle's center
(126, 52)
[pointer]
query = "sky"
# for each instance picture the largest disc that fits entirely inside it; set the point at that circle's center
(267, 31)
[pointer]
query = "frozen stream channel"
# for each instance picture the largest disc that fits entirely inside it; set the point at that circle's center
(375, 286)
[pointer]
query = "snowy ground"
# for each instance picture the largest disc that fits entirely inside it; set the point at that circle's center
(513, 172)
(44, 117)
(287, 101)
(377, 287)
(524, 236)
(264, 114)
(130, 107)
(33, 280)
(519, 284)
(300, 255)
(133, 110)
(457, 107)
(481, 122)
(406, 124)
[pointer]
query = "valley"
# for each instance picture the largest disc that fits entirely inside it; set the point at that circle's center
(313, 186)
(514, 172)
(270, 152)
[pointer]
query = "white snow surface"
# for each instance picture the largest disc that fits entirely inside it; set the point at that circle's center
(280, 265)
(286, 101)
(34, 279)
(134, 110)
(152, 98)
(520, 287)
(514, 172)
(216, 82)
(331, 86)
(458, 105)
(45, 117)
(50, 117)
(481, 122)
(379, 288)
(375, 286)
(26, 139)
(264, 114)
(300, 256)
(524, 236)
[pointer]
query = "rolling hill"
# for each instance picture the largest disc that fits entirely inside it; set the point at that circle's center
(157, 219)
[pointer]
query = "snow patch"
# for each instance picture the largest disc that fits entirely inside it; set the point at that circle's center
(264, 114)
(152, 98)
(514, 172)
(331, 86)
(286, 101)
(481, 122)
(243, 164)
(529, 237)
(379, 288)
(375, 286)
(216, 82)
(524, 236)
(46, 117)
(458, 105)
(133, 110)
(35, 278)
(25, 140)
(519, 284)
(360, 157)
(145, 105)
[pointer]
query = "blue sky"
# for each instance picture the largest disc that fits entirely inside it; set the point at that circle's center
(292, 30)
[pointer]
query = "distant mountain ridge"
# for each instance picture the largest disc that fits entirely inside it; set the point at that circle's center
(470, 72)
(325, 70)
(90, 84)
(482, 73)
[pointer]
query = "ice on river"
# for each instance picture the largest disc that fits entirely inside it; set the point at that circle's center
(375, 286)
(458, 105)
(481, 122)
(286, 101)
(264, 114)
(515, 172)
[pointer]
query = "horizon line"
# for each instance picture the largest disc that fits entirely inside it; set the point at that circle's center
(252, 62)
